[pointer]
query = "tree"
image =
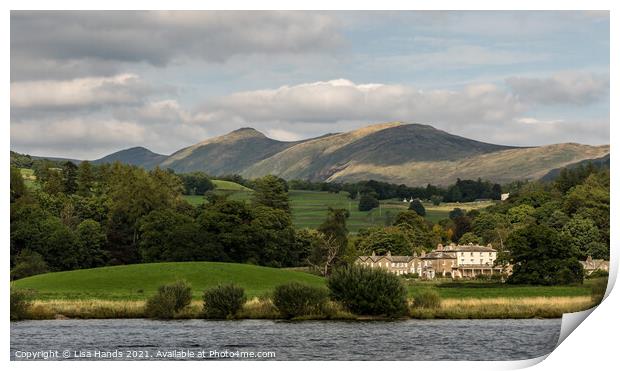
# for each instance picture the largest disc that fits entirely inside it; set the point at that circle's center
(196, 183)
(367, 202)
(455, 213)
(167, 236)
(462, 225)
(469, 237)
(69, 176)
(18, 188)
(271, 191)
(85, 179)
(28, 263)
(92, 241)
(380, 240)
(436, 199)
(325, 253)
(541, 256)
(417, 206)
(418, 230)
(580, 233)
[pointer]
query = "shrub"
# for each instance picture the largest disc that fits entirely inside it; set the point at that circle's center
(169, 300)
(223, 301)
(426, 299)
(367, 202)
(21, 300)
(295, 299)
(364, 290)
(28, 263)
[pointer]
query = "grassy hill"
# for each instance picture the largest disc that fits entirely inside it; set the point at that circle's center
(138, 156)
(226, 154)
(138, 281)
(309, 208)
(416, 155)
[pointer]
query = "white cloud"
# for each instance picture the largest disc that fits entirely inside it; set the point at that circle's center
(577, 88)
(343, 100)
(88, 91)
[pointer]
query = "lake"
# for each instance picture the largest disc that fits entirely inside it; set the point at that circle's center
(413, 340)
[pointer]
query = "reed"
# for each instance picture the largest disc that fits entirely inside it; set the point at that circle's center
(263, 308)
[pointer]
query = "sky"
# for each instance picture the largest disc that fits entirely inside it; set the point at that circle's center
(86, 84)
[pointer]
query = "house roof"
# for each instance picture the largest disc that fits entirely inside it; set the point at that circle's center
(439, 255)
(391, 258)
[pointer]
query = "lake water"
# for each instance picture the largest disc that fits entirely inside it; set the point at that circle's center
(414, 340)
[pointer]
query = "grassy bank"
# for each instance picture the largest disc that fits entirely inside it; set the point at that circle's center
(262, 308)
(140, 281)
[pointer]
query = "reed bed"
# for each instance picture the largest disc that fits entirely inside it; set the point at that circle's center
(534, 307)
(263, 308)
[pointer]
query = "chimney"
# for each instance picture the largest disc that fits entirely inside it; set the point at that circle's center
(423, 254)
(389, 253)
(373, 253)
(439, 247)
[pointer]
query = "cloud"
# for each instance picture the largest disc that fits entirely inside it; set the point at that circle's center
(89, 91)
(343, 100)
(96, 41)
(575, 88)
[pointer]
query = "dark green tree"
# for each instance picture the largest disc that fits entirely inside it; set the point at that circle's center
(367, 202)
(416, 205)
(541, 256)
(271, 191)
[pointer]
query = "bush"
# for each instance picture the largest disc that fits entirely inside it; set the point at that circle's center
(364, 290)
(21, 300)
(416, 205)
(367, 202)
(426, 299)
(295, 300)
(28, 263)
(169, 300)
(223, 301)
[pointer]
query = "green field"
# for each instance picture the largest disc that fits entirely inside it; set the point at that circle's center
(139, 281)
(29, 178)
(310, 208)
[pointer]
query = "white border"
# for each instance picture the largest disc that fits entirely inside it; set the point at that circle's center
(591, 346)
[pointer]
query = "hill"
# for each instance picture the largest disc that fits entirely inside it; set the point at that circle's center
(602, 162)
(395, 152)
(416, 155)
(226, 154)
(139, 281)
(138, 156)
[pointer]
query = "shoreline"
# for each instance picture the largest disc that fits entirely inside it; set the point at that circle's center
(486, 308)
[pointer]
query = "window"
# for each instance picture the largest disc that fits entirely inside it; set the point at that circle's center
(471, 254)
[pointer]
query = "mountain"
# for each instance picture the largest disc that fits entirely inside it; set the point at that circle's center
(138, 156)
(377, 147)
(412, 154)
(227, 154)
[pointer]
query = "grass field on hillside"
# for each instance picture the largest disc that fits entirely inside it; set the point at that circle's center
(139, 281)
(310, 208)
(29, 178)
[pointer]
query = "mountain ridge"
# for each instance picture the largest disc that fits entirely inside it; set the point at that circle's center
(413, 154)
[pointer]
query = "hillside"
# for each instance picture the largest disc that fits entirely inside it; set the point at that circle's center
(394, 152)
(416, 155)
(602, 162)
(226, 154)
(138, 156)
(139, 281)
